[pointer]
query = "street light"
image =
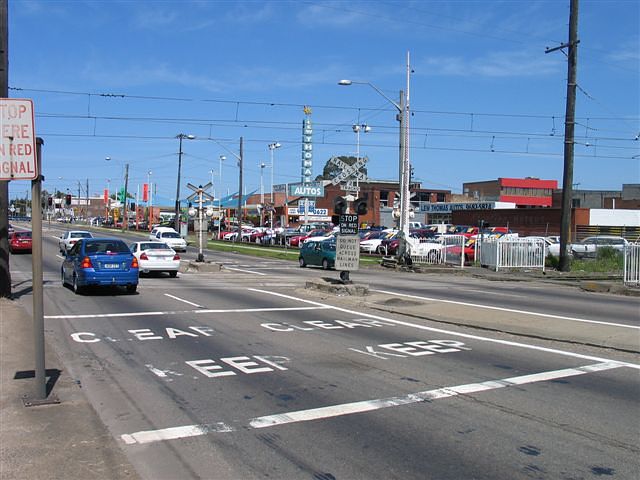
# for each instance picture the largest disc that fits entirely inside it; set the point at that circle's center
(180, 137)
(222, 159)
(149, 199)
(403, 118)
(272, 147)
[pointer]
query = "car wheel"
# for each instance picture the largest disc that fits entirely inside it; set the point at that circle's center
(64, 283)
(325, 264)
(173, 274)
(302, 262)
(132, 288)
(77, 289)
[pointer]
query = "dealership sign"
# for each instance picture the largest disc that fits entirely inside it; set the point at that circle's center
(18, 147)
(454, 207)
(312, 189)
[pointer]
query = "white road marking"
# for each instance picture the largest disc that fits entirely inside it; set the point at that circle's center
(245, 271)
(182, 312)
(449, 332)
(493, 292)
(183, 300)
(510, 310)
(332, 411)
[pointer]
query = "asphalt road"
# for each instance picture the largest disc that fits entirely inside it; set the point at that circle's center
(243, 374)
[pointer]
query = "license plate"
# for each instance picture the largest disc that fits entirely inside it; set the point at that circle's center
(111, 265)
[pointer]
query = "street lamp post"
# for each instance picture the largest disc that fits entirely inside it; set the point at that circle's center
(222, 159)
(149, 200)
(180, 137)
(404, 168)
(357, 128)
(272, 147)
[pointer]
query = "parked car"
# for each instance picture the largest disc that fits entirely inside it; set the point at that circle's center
(300, 239)
(20, 242)
(69, 239)
(588, 248)
(371, 242)
(100, 262)
(156, 257)
(321, 254)
(156, 229)
(173, 239)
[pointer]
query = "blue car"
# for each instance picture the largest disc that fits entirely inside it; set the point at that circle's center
(100, 262)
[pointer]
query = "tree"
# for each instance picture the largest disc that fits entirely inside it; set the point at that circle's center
(330, 170)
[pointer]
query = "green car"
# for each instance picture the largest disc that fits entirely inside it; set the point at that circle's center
(321, 253)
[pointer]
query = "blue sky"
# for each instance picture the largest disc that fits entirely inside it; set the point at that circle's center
(123, 78)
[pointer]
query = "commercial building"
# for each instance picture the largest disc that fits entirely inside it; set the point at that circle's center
(524, 192)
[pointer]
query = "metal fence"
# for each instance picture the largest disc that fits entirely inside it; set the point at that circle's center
(632, 264)
(497, 253)
(445, 249)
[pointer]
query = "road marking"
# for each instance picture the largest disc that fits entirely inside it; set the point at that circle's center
(245, 271)
(183, 312)
(493, 292)
(332, 411)
(510, 310)
(450, 332)
(183, 300)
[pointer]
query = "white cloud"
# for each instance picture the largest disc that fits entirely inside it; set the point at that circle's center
(506, 64)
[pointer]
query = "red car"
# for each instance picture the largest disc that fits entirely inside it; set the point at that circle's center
(299, 239)
(20, 242)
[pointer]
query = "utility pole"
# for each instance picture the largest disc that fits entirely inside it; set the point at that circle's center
(5, 275)
(569, 127)
(125, 219)
(86, 216)
(239, 215)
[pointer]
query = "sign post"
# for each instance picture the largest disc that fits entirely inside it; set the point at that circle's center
(200, 196)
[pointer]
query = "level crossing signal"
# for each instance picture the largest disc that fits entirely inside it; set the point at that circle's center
(339, 205)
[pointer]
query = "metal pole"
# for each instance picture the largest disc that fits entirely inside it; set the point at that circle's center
(125, 221)
(200, 255)
(36, 263)
(177, 208)
(5, 274)
(239, 215)
(569, 126)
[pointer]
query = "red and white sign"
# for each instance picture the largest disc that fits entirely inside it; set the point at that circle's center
(18, 147)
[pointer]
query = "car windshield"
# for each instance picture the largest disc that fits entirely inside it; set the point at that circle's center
(154, 246)
(80, 235)
(106, 246)
(170, 235)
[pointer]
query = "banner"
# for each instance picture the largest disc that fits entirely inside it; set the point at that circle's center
(145, 192)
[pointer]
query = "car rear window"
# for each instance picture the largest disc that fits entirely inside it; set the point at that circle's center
(80, 235)
(22, 234)
(170, 235)
(106, 246)
(154, 246)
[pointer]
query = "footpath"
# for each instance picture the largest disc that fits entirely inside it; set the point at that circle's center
(67, 441)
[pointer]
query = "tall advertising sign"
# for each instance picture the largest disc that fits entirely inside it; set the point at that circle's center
(307, 147)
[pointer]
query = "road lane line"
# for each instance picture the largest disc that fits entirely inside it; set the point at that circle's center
(332, 411)
(245, 271)
(182, 312)
(183, 300)
(449, 332)
(510, 310)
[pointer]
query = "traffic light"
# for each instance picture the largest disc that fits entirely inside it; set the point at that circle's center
(50, 201)
(339, 205)
(67, 200)
(360, 206)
